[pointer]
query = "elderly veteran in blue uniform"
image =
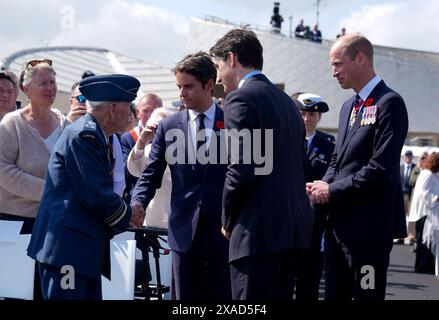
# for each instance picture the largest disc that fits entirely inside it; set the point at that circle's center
(79, 212)
(320, 146)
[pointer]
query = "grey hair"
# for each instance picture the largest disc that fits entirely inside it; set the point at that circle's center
(93, 105)
(28, 74)
(157, 113)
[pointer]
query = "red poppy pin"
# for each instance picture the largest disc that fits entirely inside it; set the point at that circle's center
(219, 124)
(368, 102)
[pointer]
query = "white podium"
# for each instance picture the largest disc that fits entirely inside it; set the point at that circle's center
(123, 261)
(17, 270)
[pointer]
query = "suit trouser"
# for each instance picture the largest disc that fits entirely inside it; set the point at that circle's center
(52, 282)
(202, 273)
(309, 274)
(424, 262)
(354, 277)
(311, 262)
(265, 276)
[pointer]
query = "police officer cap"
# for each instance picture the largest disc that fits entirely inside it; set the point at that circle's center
(312, 103)
(112, 87)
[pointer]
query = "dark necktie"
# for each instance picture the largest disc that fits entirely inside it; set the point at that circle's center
(407, 174)
(110, 151)
(201, 137)
(356, 104)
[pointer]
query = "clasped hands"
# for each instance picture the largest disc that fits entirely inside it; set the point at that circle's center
(137, 215)
(318, 192)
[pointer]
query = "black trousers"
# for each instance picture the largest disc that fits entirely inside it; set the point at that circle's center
(359, 277)
(309, 274)
(265, 277)
(424, 262)
(202, 273)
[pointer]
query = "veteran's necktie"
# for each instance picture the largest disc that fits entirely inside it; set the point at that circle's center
(110, 151)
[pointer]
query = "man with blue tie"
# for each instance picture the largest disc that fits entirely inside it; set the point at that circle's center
(362, 187)
(405, 171)
(79, 212)
(199, 251)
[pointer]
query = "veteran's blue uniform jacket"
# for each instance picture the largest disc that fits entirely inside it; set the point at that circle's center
(79, 213)
(319, 155)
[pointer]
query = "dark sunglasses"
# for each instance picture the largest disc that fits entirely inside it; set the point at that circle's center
(80, 98)
(34, 62)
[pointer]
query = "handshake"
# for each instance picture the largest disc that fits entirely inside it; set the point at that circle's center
(137, 215)
(318, 192)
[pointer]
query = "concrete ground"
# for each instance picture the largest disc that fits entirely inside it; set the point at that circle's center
(403, 283)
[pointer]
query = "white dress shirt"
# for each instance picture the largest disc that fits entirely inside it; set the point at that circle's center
(208, 124)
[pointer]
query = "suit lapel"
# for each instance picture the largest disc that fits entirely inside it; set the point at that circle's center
(183, 125)
(347, 113)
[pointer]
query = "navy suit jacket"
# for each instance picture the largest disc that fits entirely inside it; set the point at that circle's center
(193, 190)
(79, 212)
(366, 203)
(266, 213)
(406, 187)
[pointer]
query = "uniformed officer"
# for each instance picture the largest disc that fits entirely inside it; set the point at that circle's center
(320, 146)
(79, 213)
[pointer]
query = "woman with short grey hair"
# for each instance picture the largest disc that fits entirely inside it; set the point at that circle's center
(27, 137)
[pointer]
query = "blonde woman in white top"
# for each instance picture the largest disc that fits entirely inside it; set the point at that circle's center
(158, 209)
(27, 137)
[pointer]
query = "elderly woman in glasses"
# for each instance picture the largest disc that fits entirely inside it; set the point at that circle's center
(27, 137)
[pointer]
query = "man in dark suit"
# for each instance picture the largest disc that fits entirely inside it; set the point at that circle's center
(362, 185)
(147, 104)
(79, 212)
(406, 170)
(266, 213)
(320, 146)
(199, 251)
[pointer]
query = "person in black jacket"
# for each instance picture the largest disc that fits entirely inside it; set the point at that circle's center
(320, 146)
(266, 215)
(362, 187)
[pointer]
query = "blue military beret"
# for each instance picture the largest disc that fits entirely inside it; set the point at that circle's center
(312, 103)
(111, 87)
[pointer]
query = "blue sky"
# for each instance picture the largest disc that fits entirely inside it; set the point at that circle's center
(156, 30)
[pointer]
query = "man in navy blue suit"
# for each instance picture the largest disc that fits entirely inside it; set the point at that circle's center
(199, 251)
(266, 213)
(362, 186)
(79, 212)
